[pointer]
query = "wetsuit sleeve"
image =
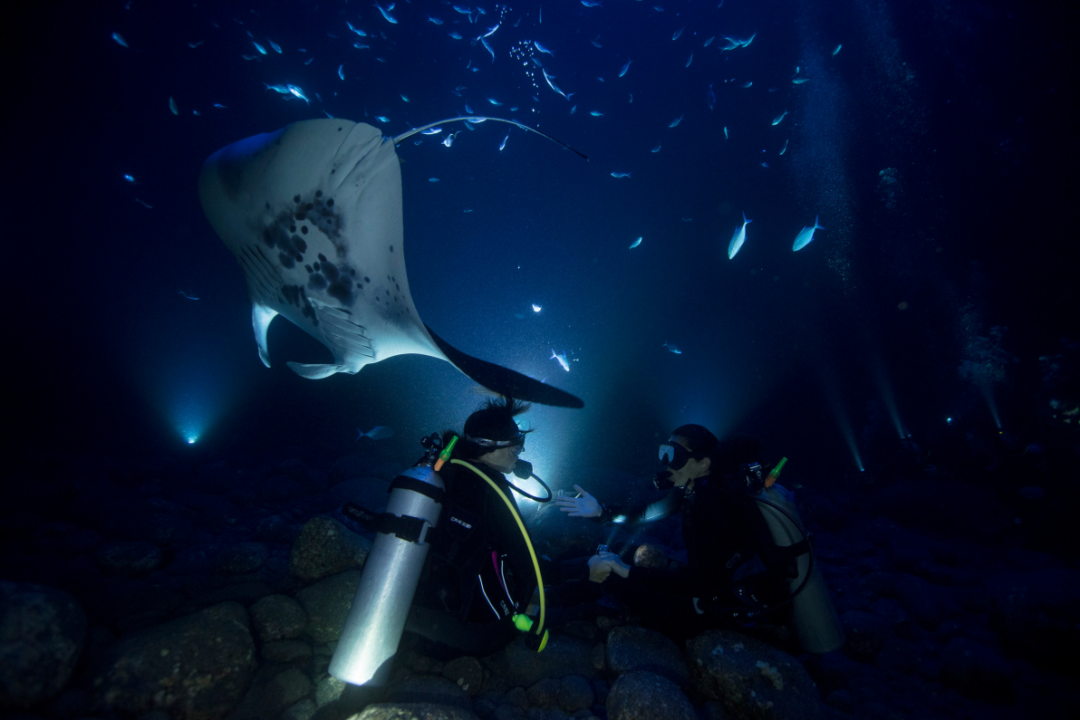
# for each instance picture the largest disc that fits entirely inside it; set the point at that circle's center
(641, 513)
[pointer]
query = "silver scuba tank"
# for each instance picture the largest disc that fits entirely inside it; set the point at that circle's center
(816, 621)
(382, 601)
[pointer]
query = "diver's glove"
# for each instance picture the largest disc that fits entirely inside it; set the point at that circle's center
(584, 505)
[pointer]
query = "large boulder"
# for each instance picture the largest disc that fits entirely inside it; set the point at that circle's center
(42, 633)
(414, 711)
(632, 648)
(327, 604)
(326, 547)
(272, 691)
(518, 666)
(196, 667)
(642, 695)
(752, 680)
(278, 617)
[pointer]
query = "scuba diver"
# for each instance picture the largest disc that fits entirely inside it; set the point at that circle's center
(741, 563)
(475, 588)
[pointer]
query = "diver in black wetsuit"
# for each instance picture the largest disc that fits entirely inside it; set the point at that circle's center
(480, 575)
(732, 561)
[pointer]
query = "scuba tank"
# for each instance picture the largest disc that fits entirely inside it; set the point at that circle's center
(816, 621)
(382, 601)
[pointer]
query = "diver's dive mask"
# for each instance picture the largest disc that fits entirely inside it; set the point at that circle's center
(673, 455)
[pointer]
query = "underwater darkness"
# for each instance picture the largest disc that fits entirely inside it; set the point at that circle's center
(926, 338)
(936, 147)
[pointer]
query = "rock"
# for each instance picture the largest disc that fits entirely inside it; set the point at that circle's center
(413, 711)
(244, 593)
(327, 604)
(466, 672)
(278, 617)
(518, 666)
(866, 634)
(303, 710)
(329, 690)
(575, 693)
(326, 547)
(196, 667)
(1034, 613)
(751, 679)
(242, 558)
(544, 693)
(129, 558)
(42, 634)
(285, 651)
(272, 691)
(642, 695)
(632, 648)
(429, 689)
(977, 671)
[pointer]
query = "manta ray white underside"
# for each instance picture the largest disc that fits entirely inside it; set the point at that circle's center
(313, 214)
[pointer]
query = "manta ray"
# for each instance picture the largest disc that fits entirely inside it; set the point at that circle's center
(313, 214)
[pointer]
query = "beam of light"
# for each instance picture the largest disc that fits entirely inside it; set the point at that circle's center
(887, 397)
(988, 395)
(192, 404)
(844, 421)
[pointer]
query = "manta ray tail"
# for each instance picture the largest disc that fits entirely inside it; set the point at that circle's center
(504, 381)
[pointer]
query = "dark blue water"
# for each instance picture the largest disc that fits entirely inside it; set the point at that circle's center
(935, 147)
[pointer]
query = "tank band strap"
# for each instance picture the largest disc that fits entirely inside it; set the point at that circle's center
(792, 551)
(408, 528)
(419, 486)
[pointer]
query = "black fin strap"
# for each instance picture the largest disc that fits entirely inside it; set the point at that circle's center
(419, 486)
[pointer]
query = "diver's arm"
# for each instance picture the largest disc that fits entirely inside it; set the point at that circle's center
(642, 513)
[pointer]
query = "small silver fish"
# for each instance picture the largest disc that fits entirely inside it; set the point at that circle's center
(620, 175)
(275, 46)
(297, 92)
(675, 122)
(172, 106)
(677, 33)
(386, 14)
(635, 243)
(502, 145)
(542, 49)
(486, 45)
(779, 118)
(625, 68)
(119, 40)
(260, 48)
(341, 71)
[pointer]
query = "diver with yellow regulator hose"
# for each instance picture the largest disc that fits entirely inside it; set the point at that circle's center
(453, 569)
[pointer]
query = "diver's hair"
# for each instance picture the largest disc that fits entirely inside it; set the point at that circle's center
(493, 420)
(701, 442)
